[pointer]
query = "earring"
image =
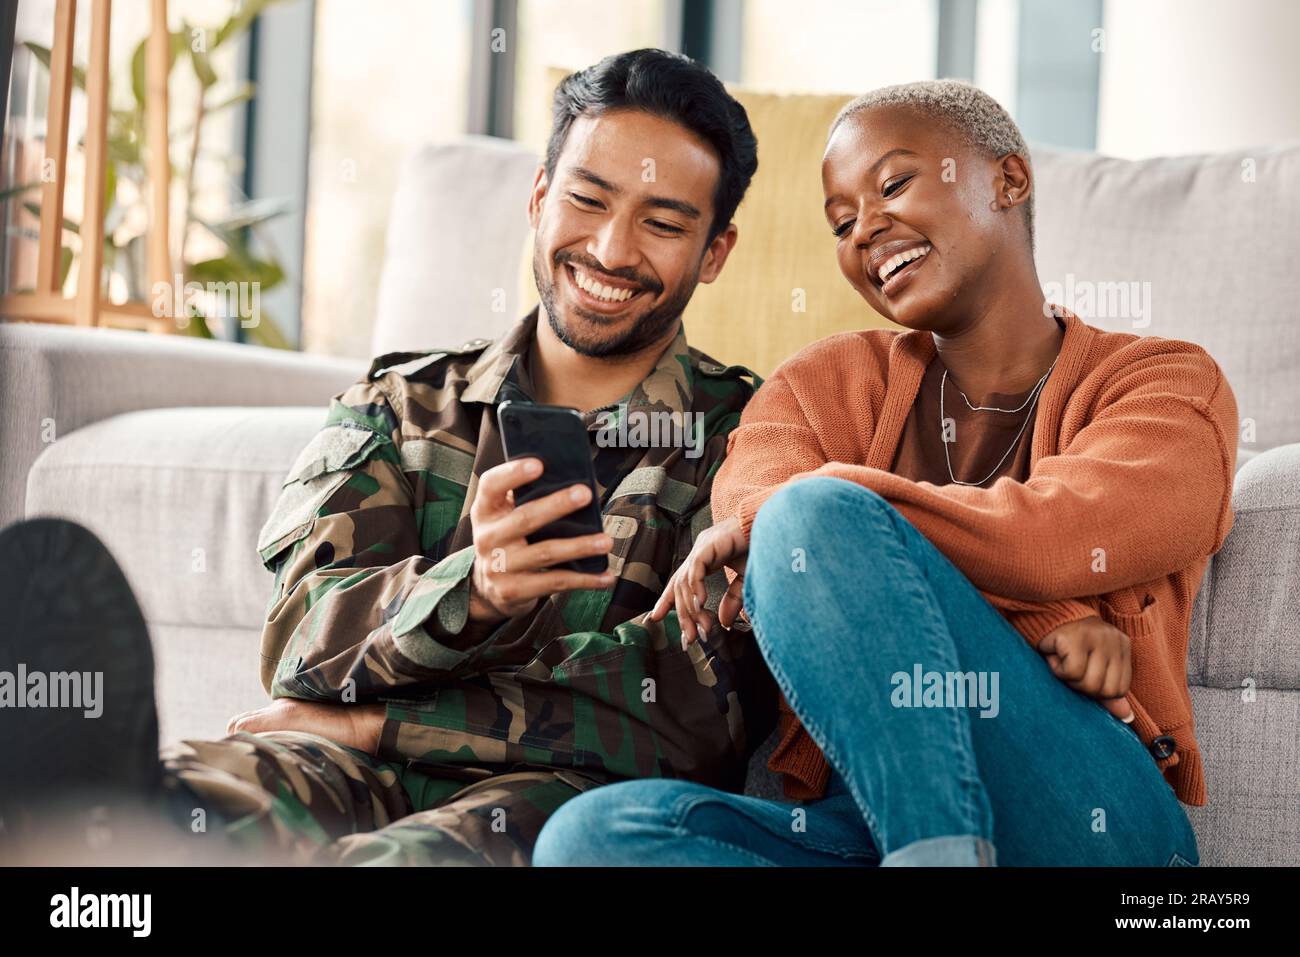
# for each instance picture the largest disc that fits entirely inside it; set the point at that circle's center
(1008, 198)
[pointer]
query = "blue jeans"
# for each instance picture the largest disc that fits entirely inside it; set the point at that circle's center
(850, 605)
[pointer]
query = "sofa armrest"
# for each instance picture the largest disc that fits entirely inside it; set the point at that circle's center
(1250, 602)
(54, 379)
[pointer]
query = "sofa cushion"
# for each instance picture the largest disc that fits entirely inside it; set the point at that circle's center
(56, 379)
(178, 496)
(458, 218)
(204, 677)
(1250, 635)
(1251, 768)
(1212, 239)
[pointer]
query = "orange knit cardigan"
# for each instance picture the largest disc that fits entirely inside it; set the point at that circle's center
(1129, 493)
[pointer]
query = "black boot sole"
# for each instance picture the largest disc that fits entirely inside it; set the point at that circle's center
(65, 606)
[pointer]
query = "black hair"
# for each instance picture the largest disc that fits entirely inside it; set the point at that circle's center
(676, 88)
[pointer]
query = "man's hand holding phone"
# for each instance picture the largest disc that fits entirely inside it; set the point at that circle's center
(510, 575)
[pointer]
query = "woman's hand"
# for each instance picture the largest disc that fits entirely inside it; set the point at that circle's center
(1093, 658)
(720, 545)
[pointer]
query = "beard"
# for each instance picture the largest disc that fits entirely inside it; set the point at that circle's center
(647, 330)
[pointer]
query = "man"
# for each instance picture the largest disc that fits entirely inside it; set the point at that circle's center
(439, 686)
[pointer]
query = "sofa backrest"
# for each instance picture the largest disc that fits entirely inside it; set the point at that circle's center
(1203, 249)
(451, 262)
(1189, 247)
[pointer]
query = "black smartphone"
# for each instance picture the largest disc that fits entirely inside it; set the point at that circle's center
(555, 435)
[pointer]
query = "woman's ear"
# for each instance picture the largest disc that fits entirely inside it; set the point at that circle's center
(1015, 182)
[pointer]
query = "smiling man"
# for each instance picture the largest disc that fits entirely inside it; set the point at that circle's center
(440, 686)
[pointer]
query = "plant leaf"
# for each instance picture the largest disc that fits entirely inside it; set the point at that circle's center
(43, 54)
(267, 333)
(253, 213)
(197, 327)
(11, 191)
(202, 67)
(241, 20)
(244, 93)
(65, 265)
(69, 225)
(231, 268)
(140, 59)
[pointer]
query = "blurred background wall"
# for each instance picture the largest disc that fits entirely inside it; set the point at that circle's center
(339, 92)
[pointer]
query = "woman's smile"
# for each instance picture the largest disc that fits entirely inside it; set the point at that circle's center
(892, 266)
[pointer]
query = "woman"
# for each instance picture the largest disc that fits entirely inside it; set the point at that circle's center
(968, 550)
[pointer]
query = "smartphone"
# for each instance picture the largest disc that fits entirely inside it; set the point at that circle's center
(555, 435)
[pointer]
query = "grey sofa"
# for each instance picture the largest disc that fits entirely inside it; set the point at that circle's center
(173, 450)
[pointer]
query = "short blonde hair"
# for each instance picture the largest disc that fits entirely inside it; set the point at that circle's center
(966, 109)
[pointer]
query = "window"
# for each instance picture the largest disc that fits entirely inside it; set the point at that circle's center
(827, 46)
(204, 194)
(383, 84)
(572, 34)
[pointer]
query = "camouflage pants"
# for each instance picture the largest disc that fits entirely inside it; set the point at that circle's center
(305, 798)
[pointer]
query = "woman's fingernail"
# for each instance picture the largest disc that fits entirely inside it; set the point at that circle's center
(1129, 719)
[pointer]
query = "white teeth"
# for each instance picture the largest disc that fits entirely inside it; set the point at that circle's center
(601, 291)
(899, 260)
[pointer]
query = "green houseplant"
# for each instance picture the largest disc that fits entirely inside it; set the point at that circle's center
(236, 231)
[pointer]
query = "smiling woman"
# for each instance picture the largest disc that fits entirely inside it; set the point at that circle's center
(916, 177)
(1106, 453)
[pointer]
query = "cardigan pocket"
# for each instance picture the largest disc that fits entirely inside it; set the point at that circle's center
(1148, 622)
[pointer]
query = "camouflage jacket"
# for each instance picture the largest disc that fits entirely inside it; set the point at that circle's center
(371, 546)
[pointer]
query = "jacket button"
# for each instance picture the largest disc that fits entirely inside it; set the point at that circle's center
(1163, 746)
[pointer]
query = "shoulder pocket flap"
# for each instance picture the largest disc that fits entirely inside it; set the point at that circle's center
(333, 448)
(318, 471)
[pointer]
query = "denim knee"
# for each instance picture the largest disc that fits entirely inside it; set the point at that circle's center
(818, 508)
(831, 522)
(600, 827)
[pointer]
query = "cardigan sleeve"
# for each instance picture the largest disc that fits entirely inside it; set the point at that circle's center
(773, 442)
(1143, 490)
(1034, 620)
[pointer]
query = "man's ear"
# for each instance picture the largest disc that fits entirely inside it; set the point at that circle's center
(715, 257)
(1015, 179)
(537, 196)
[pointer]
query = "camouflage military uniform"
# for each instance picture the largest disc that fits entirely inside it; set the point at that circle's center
(483, 737)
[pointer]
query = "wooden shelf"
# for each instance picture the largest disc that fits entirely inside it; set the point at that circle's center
(89, 307)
